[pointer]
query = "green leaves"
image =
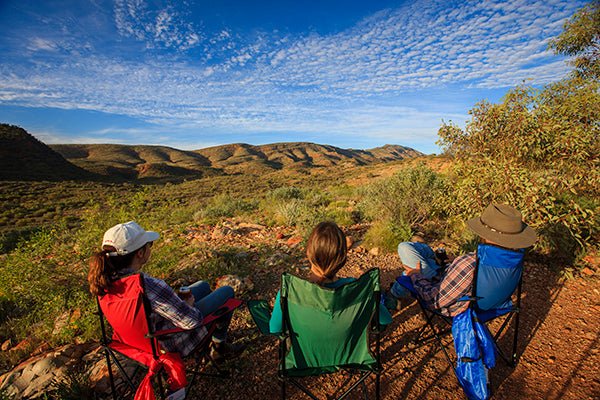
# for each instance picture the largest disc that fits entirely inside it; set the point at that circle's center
(538, 151)
(581, 38)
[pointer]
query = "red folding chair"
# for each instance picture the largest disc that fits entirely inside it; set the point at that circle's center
(127, 310)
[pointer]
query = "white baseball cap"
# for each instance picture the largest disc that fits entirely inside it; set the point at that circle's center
(127, 238)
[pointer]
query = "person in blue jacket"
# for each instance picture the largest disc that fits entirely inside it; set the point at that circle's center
(326, 251)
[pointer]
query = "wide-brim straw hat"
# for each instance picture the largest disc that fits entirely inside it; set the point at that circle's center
(503, 225)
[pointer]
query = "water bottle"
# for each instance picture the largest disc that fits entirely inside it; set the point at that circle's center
(440, 254)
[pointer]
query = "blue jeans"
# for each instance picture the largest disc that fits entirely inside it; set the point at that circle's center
(208, 301)
(410, 254)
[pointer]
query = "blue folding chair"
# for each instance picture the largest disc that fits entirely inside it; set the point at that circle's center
(498, 275)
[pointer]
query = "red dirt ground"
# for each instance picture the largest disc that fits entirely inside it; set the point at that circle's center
(558, 345)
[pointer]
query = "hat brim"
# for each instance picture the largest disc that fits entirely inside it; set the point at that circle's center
(520, 240)
(147, 237)
(150, 236)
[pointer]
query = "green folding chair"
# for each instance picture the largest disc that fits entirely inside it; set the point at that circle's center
(327, 331)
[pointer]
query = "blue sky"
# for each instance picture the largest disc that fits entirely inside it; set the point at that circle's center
(190, 74)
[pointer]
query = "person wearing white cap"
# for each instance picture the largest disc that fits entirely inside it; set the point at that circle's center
(126, 248)
(499, 225)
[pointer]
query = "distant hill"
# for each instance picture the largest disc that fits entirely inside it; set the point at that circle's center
(137, 162)
(234, 157)
(161, 162)
(24, 158)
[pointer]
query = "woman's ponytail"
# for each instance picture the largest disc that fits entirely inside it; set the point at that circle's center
(98, 275)
(103, 267)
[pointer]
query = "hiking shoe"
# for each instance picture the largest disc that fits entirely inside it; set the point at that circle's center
(221, 351)
(391, 302)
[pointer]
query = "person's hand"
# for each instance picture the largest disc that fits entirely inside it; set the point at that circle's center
(411, 271)
(451, 257)
(190, 300)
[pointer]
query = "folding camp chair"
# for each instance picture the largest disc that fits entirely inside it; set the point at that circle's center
(127, 310)
(326, 331)
(498, 275)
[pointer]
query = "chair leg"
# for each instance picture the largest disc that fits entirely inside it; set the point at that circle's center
(305, 390)
(515, 357)
(124, 373)
(378, 385)
(438, 338)
(361, 381)
(161, 389)
(111, 378)
(282, 389)
(364, 387)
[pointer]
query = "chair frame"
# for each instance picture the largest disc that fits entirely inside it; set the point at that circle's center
(200, 354)
(375, 330)
(437, 334)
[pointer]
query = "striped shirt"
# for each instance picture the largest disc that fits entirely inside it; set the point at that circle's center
(168, 312)
(441, 293)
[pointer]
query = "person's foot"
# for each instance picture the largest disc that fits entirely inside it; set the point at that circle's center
(391, 302)
(221, 351)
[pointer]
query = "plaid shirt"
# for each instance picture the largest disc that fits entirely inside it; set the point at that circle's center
(169, 312)
(442, 293)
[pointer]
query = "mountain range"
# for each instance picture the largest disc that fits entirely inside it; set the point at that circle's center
(23, 157)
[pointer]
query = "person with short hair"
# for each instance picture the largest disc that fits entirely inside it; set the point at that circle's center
(126, 248)
(499, 224)
(326, 250)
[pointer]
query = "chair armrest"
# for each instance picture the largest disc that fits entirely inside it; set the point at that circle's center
(167, 332)
(468, 298)
(227, 307)
(260, 311)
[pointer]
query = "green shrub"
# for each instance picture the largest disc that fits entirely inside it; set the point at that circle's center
(387, 234)
(300, 208)
(538, 152)
(226, 206)
(410, 197)
(289, 212)
(75, 385)
(286, 193)
(342, 216)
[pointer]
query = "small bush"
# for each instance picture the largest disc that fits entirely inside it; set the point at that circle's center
(411, 197)
(75, 386)
(386, 235)
(289, 213)
(226, 206)
(286, 193)
(300, 208)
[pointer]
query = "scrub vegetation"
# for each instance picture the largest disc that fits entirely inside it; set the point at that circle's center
(538, 150)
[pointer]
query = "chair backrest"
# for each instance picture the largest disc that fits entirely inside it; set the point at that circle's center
(124, 309)
(329, 328)
(498, 272)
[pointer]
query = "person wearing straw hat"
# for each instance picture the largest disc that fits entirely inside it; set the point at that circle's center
(499, 224)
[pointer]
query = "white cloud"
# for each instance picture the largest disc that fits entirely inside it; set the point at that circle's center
(340, 82)
(158, 28)
(37, 44)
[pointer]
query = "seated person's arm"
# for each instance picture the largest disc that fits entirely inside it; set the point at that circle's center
(276, 322)
(454, 284)
(166, 303)
(385, 318)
